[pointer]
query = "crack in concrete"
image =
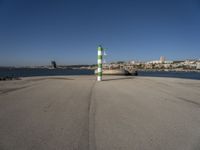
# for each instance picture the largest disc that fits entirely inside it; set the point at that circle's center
(5, 91)
(189, 101)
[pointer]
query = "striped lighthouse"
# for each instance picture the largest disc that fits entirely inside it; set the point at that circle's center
(99, 62)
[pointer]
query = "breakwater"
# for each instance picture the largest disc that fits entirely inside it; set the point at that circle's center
(121, 112)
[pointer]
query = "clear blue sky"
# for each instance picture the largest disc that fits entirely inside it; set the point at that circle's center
(33, 32)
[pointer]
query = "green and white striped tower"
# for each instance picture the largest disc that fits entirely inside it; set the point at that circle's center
(99, 62)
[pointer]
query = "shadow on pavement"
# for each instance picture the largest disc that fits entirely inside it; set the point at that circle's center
(123, 78)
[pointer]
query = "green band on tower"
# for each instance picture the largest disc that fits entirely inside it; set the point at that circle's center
(99, 57)
(99, 73)
(99, 65)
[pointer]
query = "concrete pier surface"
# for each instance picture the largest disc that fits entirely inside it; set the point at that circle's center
(119, 113)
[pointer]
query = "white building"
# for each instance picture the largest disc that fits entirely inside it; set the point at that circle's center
(136, 62)
(161, 61)
(198, 65)
(154, 62)
(168, 62)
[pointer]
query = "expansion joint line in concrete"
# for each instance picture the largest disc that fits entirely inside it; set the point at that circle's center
(91, 120)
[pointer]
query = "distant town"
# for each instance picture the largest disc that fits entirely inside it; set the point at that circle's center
(160, 65)
(155, 65)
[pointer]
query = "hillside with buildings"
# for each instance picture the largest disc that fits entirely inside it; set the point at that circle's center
(159, 65)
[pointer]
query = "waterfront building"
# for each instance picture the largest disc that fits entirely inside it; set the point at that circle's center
(167, 65)
(198, 66)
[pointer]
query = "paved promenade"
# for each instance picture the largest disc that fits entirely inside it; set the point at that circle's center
(119, 113)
